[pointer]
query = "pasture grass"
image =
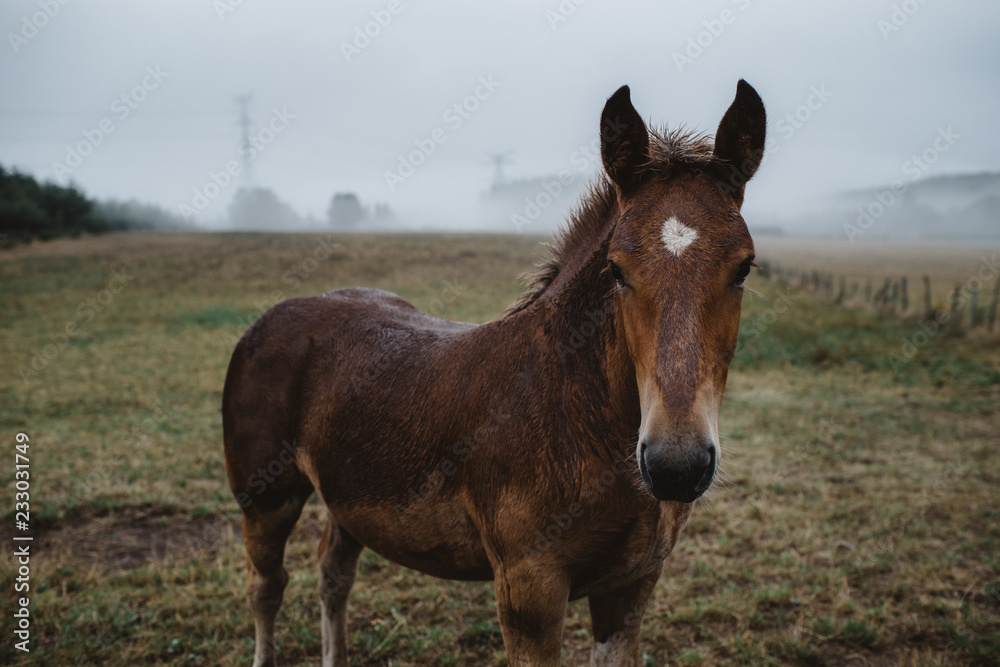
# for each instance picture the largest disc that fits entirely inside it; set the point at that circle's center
(857, 518)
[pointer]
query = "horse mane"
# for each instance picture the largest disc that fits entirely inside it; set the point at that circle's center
(669, 151)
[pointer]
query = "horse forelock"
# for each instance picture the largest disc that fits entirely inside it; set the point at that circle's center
(669, 152)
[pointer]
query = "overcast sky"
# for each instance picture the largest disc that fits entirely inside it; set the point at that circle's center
(883, 77)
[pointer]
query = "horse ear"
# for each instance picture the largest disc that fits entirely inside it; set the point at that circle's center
(624, 140)
(740, 138)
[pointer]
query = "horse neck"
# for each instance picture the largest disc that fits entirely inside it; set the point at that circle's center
(589, 368)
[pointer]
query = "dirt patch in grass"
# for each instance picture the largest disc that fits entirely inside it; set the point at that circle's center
(125, 539)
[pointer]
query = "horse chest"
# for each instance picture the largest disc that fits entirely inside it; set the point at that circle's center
(634, 552)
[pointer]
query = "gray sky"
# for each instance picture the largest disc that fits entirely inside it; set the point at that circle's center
(890, 74)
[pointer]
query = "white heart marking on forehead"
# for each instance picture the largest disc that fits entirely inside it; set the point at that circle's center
(677, 236)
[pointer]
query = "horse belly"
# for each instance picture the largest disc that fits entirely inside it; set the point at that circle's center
(441, 540)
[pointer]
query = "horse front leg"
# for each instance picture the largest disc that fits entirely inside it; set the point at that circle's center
(616, 618)
(531, 606)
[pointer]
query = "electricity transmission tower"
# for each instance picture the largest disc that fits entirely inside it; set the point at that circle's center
(244, 102)
(499, 160)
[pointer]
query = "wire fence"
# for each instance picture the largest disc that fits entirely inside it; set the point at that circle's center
(969, 305)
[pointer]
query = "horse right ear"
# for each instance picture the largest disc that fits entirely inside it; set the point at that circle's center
(624, 140)
(740, 137)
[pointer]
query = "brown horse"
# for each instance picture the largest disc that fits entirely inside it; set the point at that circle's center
(556, 450)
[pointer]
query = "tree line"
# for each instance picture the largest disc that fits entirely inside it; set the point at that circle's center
(30, 210)
(34, 210)
(259, 208)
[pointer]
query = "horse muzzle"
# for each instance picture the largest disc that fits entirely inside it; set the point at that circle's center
(676, 471)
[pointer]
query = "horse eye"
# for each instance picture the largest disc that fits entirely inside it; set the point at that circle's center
(743, 272)
(617, 273)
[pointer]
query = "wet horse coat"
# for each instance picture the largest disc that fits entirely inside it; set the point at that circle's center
(555, 450)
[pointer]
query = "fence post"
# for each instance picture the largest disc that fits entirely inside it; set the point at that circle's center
(955, 315)
(904, 298)
(974, 303)
(928, 308)
(993, 306)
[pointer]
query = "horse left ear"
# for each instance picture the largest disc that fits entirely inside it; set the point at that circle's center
(624, 140)
(740, 137)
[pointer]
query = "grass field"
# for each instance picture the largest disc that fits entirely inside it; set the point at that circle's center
(858, 521)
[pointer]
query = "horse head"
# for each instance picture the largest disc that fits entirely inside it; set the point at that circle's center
(678, 257)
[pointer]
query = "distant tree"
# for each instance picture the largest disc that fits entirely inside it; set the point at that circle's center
(136, 215)
(384, 215)
(21, 215)
(260, 208)
(32, 210)
(346, 211)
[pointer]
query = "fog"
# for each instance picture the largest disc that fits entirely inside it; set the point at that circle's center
(410, 106)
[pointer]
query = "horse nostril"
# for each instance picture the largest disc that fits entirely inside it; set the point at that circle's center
(673, 473)
(704, 458)
(710, 455)
(643, 466)
(705, 473)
